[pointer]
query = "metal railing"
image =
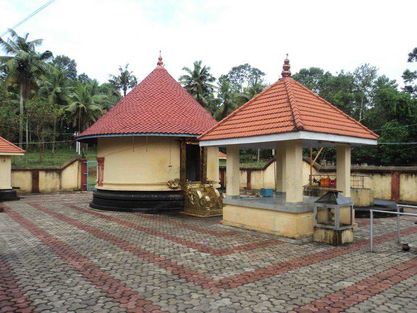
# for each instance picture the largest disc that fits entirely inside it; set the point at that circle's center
(397, 213)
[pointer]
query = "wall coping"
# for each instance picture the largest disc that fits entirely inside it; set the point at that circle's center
(49, 169)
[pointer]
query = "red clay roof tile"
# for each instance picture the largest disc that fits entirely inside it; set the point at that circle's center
(8, 148)
(287, 106)
(158, 105)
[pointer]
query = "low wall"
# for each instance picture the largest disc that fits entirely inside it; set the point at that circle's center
(65, 178)
(257, 178)
(398, 183)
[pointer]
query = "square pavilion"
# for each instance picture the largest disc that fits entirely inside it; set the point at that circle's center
(287, 117)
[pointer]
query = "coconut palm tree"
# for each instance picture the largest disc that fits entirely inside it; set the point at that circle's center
(23, 66)
(199, 83)
(56, 88)
(85, 107)
(125, 80)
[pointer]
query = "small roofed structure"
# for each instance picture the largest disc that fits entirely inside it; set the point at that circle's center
(287, 117)
(7, 151)
(147, 149)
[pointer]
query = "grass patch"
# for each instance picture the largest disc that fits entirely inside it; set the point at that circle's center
(50, 160)
(247, 164)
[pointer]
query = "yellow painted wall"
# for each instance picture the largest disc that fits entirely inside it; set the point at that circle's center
(213, 165)
(5, 172)
(145, 163)
(266, 178)
(22, 180)
(49, 181)
(70, 177)
(408, 187)
(381, 185)
(284, 224)
(67, 179)
(139, 163)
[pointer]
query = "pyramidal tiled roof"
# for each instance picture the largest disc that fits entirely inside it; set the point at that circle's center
(158, 105)
(6, 147)
(287, 106)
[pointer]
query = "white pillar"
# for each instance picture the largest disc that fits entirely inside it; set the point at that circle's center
(280, 167)
(5, 172)
(232, 171)
(293, 175)
(343, 163)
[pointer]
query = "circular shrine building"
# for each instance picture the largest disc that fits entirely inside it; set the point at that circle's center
(147, 148)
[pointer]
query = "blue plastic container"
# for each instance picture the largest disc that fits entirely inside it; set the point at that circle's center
(266, 192)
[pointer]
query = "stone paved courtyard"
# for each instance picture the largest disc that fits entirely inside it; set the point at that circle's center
(57, 255)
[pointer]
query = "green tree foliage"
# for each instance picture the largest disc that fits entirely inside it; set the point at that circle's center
(409, 76)
(67, 66)
(237, 87)
(198, 81)
(23, 66)
(56, 101)
(378, 103)
(85, 106)
(125, 80)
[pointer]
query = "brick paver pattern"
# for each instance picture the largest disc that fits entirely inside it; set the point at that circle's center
(58, 255)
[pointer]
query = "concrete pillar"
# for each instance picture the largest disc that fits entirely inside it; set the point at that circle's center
(5, 172)
(232, 171)
(280, 167)
(343, 161)
(293, 172)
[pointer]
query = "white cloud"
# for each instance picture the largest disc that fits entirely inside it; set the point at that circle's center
(333, 35)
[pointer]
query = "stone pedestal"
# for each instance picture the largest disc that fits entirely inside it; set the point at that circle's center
(333, 237)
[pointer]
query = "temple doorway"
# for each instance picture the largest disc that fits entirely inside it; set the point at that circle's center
(193, 162)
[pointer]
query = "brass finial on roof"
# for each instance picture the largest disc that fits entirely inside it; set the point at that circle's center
(160, 62)
(286, 68)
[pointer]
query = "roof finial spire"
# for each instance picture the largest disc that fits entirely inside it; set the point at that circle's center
(160, 63)
(286, 68)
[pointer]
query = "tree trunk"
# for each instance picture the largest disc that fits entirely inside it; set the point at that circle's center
(41, 148)
(21, 117)
(27, 134)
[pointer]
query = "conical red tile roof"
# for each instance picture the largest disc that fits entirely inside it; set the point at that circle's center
(6, 147)
(284, 107)
(158, 105)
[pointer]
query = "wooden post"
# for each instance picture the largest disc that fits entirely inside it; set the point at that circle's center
(183, 157)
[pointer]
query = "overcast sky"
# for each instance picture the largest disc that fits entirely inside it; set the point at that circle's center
(103, 34)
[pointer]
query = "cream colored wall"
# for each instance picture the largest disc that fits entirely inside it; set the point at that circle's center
(280, 223)
(49, 181)
(145, 164)
(213, 165)
(381, 185)
(266, 178)
(22, 180)
(67, 179)
(408, 187)
(5, 172)
(71, 178)
(139, 163)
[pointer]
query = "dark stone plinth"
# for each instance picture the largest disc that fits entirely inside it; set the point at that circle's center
(8, 195)
(139, 201)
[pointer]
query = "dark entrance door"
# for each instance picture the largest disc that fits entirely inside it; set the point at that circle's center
(192, 162)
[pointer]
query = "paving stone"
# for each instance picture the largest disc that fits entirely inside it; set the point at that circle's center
(59, 255)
